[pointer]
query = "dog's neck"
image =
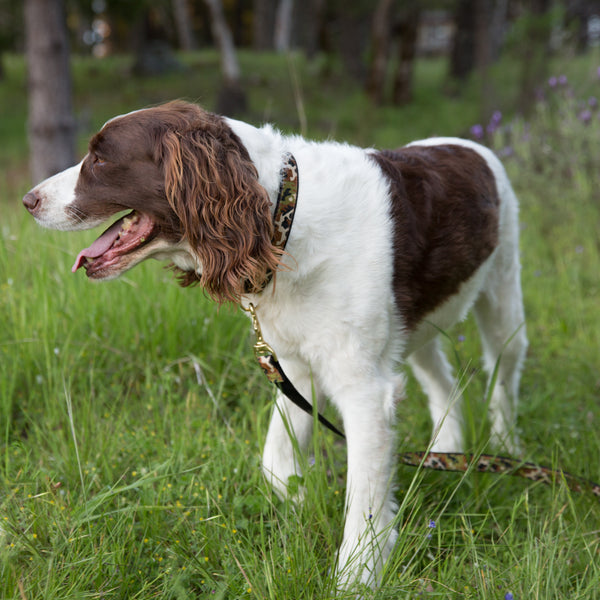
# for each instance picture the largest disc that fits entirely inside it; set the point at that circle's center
(266, 147)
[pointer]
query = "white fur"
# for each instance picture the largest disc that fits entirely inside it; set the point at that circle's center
(334, 324)
(57, 193)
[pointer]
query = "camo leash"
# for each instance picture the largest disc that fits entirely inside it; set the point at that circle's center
(488, 463)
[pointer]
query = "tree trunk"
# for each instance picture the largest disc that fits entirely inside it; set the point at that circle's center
(483, 18)
(231, 98)
(407, 52)
(380, 50)
(312, 17)
(498, 28)
(347, 35)
(182, 15)
(153, 52)
(462, 54)
(263, 24)
(51, 122)
(283, 25)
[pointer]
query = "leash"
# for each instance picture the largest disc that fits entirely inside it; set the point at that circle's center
(267, 359)
(488, 463)
(283, 219)
(439, 461)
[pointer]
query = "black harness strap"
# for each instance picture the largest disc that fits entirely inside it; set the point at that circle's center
(272, 369)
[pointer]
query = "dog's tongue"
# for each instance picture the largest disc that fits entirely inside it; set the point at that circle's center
(100, 246)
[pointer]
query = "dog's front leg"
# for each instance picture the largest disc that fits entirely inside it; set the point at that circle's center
(290, 429)
(370, 507)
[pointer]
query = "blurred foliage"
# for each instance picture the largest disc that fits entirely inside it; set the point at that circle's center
(11, 25)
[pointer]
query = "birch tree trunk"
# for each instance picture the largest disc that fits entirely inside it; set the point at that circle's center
(231, 98)
(51, 124)
(283, 25)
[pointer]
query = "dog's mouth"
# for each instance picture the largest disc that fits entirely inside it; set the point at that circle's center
(122, 238)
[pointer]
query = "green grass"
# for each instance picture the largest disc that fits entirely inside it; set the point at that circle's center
(132, 414)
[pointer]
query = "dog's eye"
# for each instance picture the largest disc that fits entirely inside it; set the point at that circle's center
(95, 160)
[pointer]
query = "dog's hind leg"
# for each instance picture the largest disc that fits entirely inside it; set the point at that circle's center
(501, 320)
(434, 373)
(500, 317)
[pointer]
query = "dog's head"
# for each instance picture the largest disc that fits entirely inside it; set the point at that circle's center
(192, 196)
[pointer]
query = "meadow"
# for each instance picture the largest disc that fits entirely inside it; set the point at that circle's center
(132, 414)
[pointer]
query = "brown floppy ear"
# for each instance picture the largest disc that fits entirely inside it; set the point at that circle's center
(212, 185)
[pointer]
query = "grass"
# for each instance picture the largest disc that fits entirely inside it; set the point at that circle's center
(132, 414)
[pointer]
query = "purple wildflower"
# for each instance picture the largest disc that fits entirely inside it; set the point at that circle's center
(592, 102)
(552, 82)
(508, 596)
(477, 131)
(461, 338)
(430, 525)
(585, 116)
(494, 122)
(562, 80)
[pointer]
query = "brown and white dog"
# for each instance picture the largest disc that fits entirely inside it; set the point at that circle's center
(387, 249)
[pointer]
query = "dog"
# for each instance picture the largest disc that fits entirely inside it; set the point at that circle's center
(385, 250)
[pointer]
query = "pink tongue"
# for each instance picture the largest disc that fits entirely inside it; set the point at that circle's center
(100, 246)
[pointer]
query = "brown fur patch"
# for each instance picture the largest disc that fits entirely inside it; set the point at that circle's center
(444, 206)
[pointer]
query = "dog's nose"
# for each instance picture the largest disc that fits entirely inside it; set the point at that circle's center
(31, 201)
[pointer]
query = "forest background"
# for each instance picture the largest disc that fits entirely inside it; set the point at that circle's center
(132, 414)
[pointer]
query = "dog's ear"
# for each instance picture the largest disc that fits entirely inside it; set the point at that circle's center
(212, 186)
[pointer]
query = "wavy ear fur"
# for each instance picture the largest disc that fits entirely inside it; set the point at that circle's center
(212, 185)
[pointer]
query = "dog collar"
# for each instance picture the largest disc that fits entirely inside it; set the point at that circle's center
(285, 208)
